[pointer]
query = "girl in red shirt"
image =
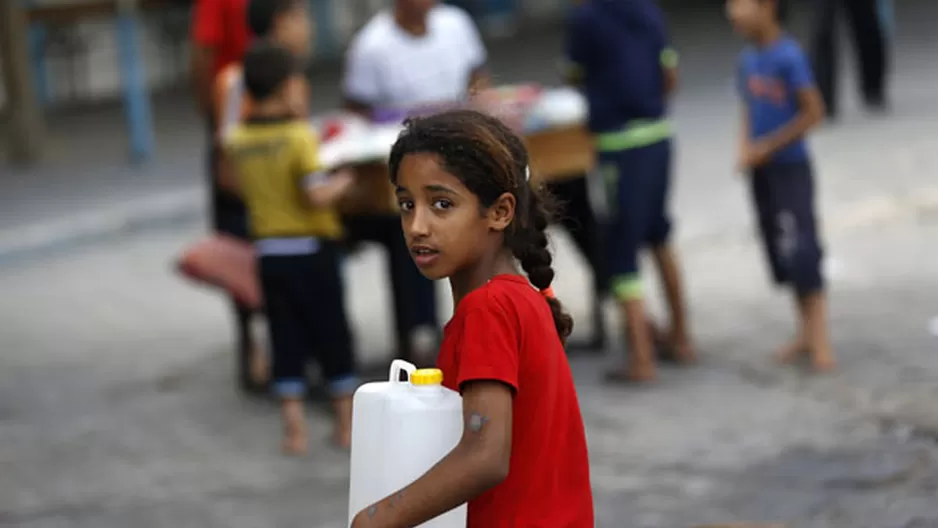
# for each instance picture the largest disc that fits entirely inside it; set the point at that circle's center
(470, 215)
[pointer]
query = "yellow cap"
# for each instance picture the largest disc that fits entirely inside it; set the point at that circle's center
(430, 376)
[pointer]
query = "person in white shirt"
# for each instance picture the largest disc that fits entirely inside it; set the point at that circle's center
(417, 54)
(420, 53)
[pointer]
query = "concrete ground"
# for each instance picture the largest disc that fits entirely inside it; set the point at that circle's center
(118, 408)
(117, 405)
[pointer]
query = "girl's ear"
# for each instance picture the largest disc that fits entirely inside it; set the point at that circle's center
(501, 212)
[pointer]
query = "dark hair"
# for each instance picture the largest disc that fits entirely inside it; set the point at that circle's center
(261, 14)
(266, 68)
(490, 160)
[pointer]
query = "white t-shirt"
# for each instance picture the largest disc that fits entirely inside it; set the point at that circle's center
(389, 68)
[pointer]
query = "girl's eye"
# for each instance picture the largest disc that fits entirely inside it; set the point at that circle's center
(442, 203)
(405, 205)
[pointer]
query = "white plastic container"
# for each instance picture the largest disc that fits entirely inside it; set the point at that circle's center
(400, 429)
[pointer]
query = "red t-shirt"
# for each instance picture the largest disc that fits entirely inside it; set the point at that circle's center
(221, 25)
(504, 331)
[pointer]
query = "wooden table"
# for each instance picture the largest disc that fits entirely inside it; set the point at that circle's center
(556, 154)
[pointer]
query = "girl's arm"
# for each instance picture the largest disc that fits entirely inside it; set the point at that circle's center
(478, 463)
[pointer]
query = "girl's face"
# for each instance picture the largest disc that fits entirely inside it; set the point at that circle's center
(446, 229)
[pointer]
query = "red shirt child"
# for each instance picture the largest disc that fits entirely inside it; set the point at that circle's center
(221, 26)
(504, 332)
(470, 215)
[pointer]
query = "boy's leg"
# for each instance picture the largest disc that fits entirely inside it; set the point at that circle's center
(768, 184)
(289, 348)
(802, 253)
(578, 219)
(666, 260)
(325, 318)
(628, 195)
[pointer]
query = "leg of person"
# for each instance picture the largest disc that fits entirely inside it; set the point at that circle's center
(578, 219)
(802, 253)
(414, 300)
(382, 229)
(325, 318)
(424, 335)
(658, 238)
(626, 229)
(824, 51)
(229, 217)
(764, 187)
(290, 348)
(869, 36)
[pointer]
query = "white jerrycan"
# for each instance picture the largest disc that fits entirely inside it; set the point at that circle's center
(400, 429)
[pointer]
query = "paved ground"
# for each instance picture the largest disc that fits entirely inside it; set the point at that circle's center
(117, 406)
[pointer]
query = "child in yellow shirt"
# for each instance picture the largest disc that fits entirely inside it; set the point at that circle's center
(295, 228)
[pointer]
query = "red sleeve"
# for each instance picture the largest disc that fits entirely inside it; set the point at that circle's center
(207, 20)
(491, 344)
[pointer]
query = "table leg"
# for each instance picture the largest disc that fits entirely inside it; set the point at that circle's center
(26, 120)
(136, 93)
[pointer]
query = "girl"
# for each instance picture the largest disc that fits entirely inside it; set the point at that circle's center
(469, 214)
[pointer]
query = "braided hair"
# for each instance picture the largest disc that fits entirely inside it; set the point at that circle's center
(490, 160)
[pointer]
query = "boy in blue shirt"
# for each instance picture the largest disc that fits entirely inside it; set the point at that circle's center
(781, 103)
(618, 51)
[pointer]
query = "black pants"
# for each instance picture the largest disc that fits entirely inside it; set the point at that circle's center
(228, 215)
(869, 37)
(783, 195)
(414, 295)
(305, 304)
(576, 216)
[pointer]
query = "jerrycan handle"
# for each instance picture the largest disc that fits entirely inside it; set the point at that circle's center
(394, 376)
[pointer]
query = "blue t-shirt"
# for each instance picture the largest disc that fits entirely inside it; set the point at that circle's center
(769, 81)
(617, 47)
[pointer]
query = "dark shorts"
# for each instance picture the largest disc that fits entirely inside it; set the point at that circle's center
(783, 194)
(305, 304)
(637, 185)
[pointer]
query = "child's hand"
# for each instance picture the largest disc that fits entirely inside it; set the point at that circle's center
(754, 155)
(343, 179)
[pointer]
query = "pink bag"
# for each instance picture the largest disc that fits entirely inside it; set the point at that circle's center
(227, 263)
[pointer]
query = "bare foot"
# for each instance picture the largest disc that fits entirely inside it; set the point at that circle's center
(342, 438)
(823, 361)
(682, 349)
(642, 372)
(673, 346)
(791, 352)
(295, 439)
(295, 443)
(342, 430)
(633, 373)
